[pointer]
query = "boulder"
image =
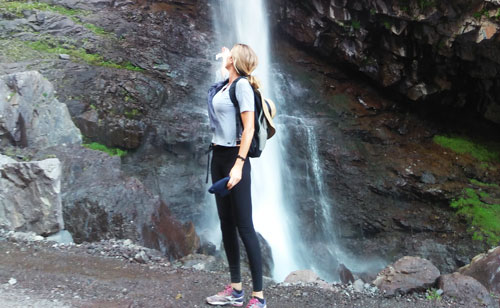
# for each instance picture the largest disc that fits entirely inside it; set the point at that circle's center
(466, 289)
(30, 198)
(31, 115)
(406, 275)
(266, 253)
(485, 268)
(345, 274)
(101, 202)
(304, 276)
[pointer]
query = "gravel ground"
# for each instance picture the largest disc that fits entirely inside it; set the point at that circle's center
(44, 274)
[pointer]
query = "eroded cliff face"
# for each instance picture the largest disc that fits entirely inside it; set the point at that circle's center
(444, 53)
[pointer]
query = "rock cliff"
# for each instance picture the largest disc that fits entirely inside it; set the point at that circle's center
(441, 54)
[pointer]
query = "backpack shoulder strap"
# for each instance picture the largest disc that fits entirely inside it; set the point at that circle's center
(232, 93)
(232, 96)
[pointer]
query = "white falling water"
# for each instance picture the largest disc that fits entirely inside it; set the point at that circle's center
(248, 25)
(244, 21)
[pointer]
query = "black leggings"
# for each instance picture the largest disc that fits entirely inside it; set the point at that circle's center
(235, 212)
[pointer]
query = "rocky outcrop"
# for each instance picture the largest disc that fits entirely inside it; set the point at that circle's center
(406, 275)
(126, 70)
(100, 202)
(30, 196)
(31, 115)
(136, 79)
(467, 290)
(388, 184)
(485, 268)
(440, 52)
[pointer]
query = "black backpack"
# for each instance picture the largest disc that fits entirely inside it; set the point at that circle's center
(260, 134)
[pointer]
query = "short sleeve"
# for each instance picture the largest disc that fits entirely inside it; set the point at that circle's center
(244, 95)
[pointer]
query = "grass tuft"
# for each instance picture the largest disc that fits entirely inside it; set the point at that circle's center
(52, 47)
(17, 8)
(484, 218)
(484, 153)
(101, 147)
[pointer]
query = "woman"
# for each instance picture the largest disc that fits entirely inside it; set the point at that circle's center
(230, 150)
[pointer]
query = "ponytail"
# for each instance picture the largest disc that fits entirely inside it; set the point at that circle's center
(254, 82)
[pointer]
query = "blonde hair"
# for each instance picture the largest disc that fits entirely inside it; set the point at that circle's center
(245, 61)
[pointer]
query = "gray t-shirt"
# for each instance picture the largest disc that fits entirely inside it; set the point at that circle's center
(225, 112)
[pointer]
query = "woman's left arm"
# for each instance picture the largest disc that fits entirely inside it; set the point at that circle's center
(247, 118)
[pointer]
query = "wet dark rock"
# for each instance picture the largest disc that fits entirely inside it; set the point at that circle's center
(113, 205)
(428, 178)
(406, 275)
(466, 289)
(425, 52)
(484, 268)
(207, 248)
(345, 274)
(266, 253)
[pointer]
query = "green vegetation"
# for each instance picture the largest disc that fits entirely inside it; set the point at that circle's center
(101, 147)
(17, 8)
(478, 183)
(49, 45)
(484, 218)
(131, 113)
(481, 13)
(433, 295)
(356, 25)
(482, 152)
(96, 29)
(15, 50)
(387, 25)
(373, 12)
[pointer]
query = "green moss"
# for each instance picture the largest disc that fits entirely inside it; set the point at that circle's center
(17, 8)
(131, 113)
(482, 152)
(356, 25)
(96, 29)
(478, 183)
(483, 218)
(387, 25)
(101, 147)
(49, 45)
(481, 13)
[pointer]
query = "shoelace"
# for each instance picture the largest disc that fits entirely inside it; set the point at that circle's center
(227, 291)
(252, 302)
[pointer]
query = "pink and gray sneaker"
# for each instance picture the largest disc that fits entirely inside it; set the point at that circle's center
(255, 303)
(227, 297)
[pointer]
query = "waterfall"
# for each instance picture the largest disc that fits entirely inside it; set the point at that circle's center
(274, 181)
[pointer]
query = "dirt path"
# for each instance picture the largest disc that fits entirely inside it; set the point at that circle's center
(71, 277)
